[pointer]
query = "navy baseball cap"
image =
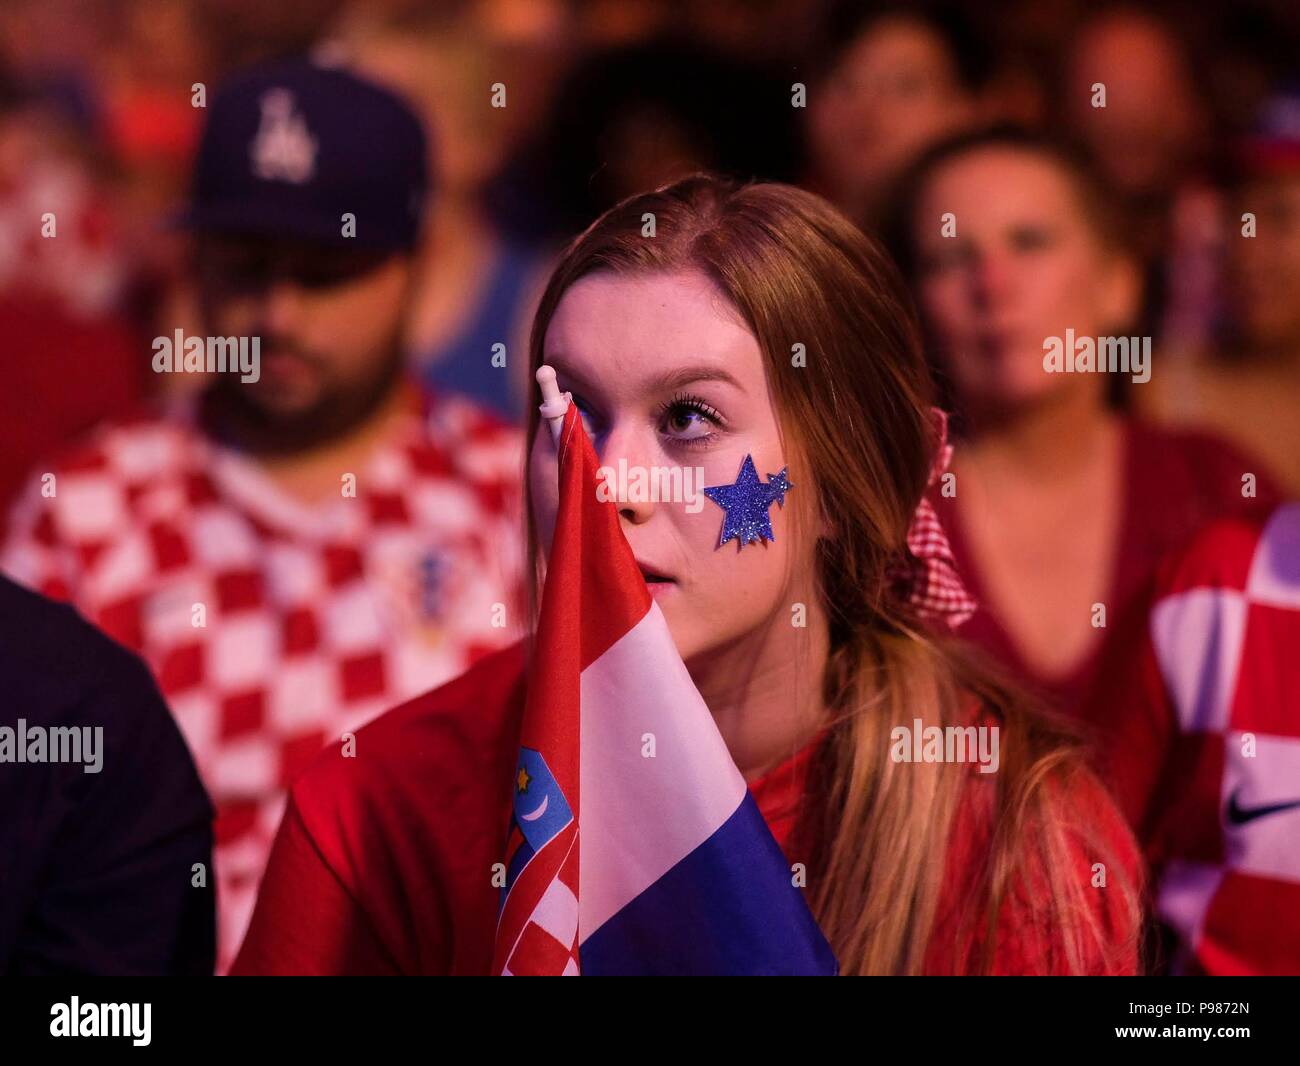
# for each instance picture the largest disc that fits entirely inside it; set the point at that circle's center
(291, 150)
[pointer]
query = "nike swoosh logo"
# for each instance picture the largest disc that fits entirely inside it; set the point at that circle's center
(1239, 815)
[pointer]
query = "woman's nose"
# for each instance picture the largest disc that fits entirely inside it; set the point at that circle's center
(628, 455)
(990, 279)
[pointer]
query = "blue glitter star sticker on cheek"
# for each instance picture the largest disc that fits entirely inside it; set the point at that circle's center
(779, 485)
(747, 502)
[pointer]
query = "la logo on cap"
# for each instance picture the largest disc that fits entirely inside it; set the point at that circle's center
(283, 149)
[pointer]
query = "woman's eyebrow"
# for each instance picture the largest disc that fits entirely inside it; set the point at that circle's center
(665, 382)
(688, 375)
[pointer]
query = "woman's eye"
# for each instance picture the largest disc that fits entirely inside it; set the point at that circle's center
(939, 262)
(589, 421)
(1030, 239)
(688, 419)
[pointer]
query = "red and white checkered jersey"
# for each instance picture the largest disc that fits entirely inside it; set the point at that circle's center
(1206, 759)
(274, 627)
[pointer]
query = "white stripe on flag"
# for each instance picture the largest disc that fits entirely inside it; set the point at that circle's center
(557, 912)
(641, 816)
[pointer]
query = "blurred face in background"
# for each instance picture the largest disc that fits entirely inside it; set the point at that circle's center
(1148, 128)
(895, 91)
(666, 375)
(1026, 264)
(1264, 270)
(329, 323)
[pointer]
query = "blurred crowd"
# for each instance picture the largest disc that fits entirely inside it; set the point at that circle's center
(607, 97)
(1120, 170)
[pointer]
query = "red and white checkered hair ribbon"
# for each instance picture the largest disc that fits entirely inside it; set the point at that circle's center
(926, 574)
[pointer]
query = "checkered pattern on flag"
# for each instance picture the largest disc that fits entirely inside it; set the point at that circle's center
(619, 862)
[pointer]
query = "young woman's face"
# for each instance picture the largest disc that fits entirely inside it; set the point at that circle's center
(1024, 265)
(667, 377)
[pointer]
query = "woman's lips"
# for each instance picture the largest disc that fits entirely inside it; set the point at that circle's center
(656, 582)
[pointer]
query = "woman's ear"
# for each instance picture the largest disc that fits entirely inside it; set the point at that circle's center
(1121, 291)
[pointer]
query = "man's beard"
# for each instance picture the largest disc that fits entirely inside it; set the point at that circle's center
(230, 411)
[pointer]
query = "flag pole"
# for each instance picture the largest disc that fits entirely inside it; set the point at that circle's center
(554, 403)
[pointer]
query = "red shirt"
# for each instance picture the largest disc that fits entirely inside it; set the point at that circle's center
(1174, 482)
(384, 862)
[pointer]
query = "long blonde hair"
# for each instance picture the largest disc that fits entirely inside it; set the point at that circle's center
(857, 418)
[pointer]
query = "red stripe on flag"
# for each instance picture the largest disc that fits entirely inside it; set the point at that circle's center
(594, 595)
(539, 954)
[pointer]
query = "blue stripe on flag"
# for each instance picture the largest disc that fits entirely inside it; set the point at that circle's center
(727, 908)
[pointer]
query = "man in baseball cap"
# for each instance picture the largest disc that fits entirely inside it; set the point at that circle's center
(298, 149)
(308, 194)
(311, 539)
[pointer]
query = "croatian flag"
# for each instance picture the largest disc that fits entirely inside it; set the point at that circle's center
(635, 846)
